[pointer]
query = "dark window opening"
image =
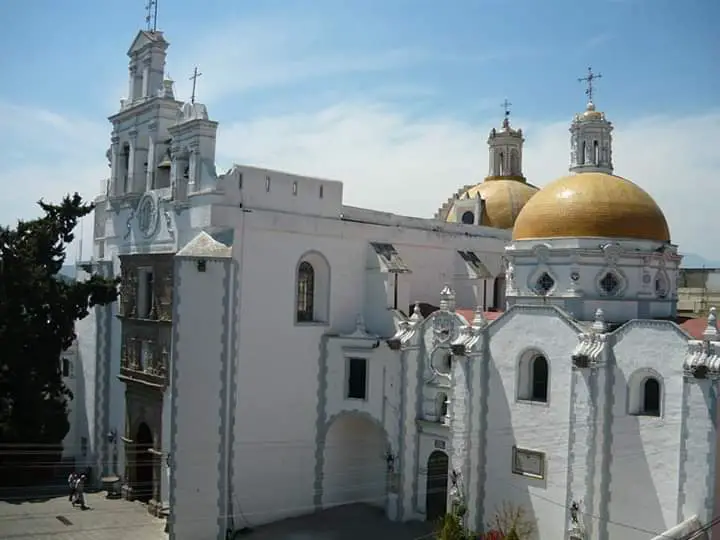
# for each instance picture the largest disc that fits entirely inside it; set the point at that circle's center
(468, 218)
(305, 292)
(651, 397)
(539, 379)
(65, 367)
(357, 378)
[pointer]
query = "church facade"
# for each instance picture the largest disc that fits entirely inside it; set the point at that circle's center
(276, 352)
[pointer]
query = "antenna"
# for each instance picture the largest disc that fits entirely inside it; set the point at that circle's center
(589, 79)
(151, 11)
(194, 79)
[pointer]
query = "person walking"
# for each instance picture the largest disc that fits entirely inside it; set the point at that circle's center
(71, 485)
(80, 492)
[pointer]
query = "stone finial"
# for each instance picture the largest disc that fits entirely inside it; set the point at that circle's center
(599, 322)
(479, 320)
(711, 330)
(447, 299)
(167, 89)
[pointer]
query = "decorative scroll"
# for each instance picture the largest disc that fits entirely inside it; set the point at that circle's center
(128, 292)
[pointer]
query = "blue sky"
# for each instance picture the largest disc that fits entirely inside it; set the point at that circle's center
(393, 97)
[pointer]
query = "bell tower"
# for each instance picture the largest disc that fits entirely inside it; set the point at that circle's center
(505, 146)
(591, 136)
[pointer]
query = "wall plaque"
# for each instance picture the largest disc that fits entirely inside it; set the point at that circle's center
(439, 444)
(528, 463)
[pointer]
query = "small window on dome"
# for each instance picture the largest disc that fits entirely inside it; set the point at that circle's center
(610, 284)
(468, 218)
(544, 283)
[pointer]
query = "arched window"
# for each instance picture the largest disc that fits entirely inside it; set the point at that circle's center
(651, 397)
(501, 164)
(581, 157)
(539, 379)
(305, 292)
(596, 153)
(533, 378)
(468, 218)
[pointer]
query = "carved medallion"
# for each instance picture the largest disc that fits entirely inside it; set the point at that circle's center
(147, 215)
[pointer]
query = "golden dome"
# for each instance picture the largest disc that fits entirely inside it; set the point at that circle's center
(590, 113)
(592, 204)
(504, 199)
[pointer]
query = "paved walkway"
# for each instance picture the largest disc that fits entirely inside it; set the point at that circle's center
(352, 522)
(55, 519)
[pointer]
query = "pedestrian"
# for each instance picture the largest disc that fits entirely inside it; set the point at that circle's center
(80, 492)
(71, 485)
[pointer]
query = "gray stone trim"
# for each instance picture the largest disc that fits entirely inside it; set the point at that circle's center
(497, 324)
(481, 364)
(591, 442)
(107, 378)
(234, 336)
(321, 420)
(419, 394)
(710, 478)
(682, 473)
(646, 323)
(223, 519)
(402, 422)
(174, 357)
(607, 439)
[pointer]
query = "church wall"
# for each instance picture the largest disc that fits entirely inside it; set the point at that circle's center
(645, 450)
(197, 390)
(540, 427)
(269, 246)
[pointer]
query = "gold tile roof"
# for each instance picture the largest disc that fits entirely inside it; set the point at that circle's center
(592, 204)
(504, 199)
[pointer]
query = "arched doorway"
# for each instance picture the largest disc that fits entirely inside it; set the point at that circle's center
(355, 466)
(437, 486)
(144, 481)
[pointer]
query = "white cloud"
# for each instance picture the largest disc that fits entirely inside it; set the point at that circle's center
(388, 160)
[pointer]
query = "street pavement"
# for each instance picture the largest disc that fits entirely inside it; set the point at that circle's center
(55, 519)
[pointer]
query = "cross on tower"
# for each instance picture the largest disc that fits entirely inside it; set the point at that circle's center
(194, 79)
(589, 79)
(151, 9)
(506, 107)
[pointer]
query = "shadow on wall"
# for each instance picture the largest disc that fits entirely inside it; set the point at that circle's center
(83, 449)
(633, 492)
(501, 486)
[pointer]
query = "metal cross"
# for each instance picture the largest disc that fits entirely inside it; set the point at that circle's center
(151, 9)
(194, 79)
(589, 79)
(506, 107)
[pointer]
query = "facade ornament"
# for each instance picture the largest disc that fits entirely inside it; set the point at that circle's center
(416, 314)
(599, 324)
(479, 320)
(711, 330)
(542, 253)
(447, 298)
(588, 354)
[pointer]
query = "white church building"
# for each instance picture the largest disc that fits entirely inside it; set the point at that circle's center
(276, 352)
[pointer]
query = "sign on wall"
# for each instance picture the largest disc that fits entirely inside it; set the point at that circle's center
(528, 463)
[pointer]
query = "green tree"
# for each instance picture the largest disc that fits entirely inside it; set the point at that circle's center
(38, 311)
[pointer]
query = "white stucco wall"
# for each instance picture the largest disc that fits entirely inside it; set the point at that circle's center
(514, 422)
(645, 450)
(196, 399)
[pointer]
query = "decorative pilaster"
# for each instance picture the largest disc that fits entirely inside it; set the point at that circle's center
(130, 173)
(151, 159)
(114, 165)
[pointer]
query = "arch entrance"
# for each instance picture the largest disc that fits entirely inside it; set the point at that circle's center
(355, 465)
(436, 492)
(144, 481)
